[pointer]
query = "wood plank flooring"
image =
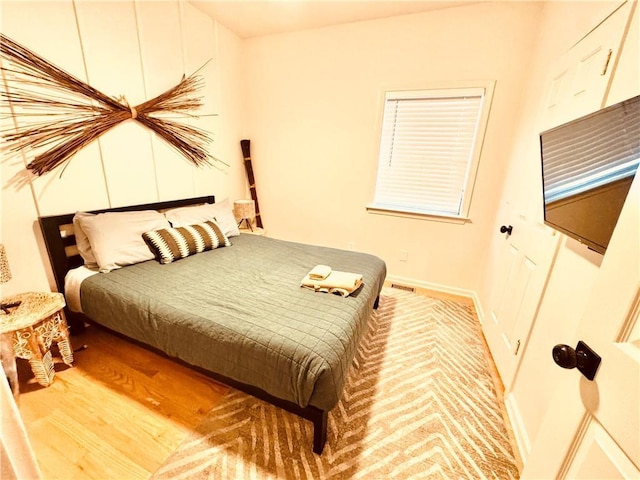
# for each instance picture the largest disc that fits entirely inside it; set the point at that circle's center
(118, 413)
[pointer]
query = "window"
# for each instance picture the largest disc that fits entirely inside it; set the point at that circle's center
(429, 150)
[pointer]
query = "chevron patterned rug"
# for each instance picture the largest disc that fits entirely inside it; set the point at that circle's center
(419, 402)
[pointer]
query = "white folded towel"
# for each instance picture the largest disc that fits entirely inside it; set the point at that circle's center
(319, 272)
(342, 283)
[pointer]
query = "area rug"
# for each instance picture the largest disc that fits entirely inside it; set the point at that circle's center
(419, 402)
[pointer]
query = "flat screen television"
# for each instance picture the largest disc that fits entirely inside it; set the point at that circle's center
(588, 165)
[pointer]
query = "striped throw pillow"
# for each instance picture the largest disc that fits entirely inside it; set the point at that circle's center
(169, 244)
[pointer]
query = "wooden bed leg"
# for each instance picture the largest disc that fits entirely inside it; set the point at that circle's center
(376, 303)
(319, 431)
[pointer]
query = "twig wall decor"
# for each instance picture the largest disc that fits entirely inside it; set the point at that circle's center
(73, 114)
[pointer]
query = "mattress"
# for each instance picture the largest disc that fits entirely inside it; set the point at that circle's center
(72, 284)
(239, 311)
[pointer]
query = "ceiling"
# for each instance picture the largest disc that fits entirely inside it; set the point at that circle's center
(249, 18)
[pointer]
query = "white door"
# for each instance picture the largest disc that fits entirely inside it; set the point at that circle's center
(576, 85)
(524, 268)
(592, 428)
(579, 80)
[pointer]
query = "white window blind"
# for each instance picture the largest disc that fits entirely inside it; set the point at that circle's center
(427, 150)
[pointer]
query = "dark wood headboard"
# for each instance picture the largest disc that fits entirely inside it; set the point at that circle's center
(60, 239)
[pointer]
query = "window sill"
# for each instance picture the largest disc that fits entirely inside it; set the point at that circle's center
(420, 216)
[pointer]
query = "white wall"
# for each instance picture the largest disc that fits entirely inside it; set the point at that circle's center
(313, 114)
(137, 49)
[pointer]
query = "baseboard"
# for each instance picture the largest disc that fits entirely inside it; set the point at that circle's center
(479, 310)
(517, 427)
(442, 290)
(437, 287)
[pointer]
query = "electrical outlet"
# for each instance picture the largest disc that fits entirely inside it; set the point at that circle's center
(351, 246)
(404, 255)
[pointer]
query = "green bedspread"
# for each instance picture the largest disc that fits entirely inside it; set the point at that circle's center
(239, 311)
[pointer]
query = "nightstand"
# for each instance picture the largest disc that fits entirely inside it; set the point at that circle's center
(33, 326)
(256, 231)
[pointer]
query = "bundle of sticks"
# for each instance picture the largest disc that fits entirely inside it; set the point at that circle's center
(71, 114)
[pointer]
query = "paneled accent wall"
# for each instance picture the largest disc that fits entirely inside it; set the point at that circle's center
(133, 49)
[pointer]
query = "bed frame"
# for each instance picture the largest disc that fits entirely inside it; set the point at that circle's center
(60, 241)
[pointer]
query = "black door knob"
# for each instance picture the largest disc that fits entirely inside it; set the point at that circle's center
(565, 356)
(505, 229)
(582, 357)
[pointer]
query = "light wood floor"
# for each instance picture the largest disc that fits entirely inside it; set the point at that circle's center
(121, 410)
(118, 413)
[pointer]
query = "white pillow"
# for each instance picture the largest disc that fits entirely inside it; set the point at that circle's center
(221, 212)
(116, 237)
(82, 241)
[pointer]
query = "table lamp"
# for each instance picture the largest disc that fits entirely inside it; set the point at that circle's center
(245, 210)
(5, 276)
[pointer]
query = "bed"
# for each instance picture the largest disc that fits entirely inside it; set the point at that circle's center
(236, 312)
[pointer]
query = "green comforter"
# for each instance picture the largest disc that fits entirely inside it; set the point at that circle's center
(239, 311)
